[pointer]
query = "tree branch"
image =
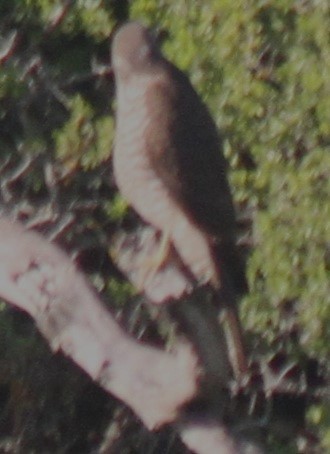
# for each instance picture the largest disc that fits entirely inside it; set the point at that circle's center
(39, 278)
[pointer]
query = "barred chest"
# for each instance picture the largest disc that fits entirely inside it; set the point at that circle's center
(135, 175)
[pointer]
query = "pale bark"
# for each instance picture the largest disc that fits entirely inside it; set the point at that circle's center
(39, 278)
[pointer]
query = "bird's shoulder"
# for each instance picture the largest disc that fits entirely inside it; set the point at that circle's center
(172, 86)
(177, 111)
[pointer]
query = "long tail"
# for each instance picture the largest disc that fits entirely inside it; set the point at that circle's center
(234, 339)
(232, 285)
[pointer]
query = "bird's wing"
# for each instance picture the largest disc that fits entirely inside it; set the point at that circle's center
(185, 151)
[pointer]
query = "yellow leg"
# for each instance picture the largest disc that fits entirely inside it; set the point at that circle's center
(154, 263)
(163, 251)
(141, 255)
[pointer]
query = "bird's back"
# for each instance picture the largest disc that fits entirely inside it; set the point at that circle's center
(186, 152)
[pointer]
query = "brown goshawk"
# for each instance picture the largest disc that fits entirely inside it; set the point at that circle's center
(169, 166)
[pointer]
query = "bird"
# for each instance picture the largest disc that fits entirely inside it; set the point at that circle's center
(169, 166)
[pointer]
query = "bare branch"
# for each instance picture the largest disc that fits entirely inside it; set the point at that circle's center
(209, 437)
(39, 278)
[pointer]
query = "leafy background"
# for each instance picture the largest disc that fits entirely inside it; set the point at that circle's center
(263, 69)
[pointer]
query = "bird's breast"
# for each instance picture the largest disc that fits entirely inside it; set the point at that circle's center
(134, 171)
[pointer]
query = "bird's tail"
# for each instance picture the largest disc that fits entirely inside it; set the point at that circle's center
(229, 260)
(233, 284)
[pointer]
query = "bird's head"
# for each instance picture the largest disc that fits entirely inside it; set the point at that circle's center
(134, 48)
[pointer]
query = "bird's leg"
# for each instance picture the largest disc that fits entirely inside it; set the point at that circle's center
(163, 250)
(155, 262)
(161, 255)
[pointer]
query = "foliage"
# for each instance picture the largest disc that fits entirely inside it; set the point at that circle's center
(81, 139)
(262, 69)
(262, 66)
